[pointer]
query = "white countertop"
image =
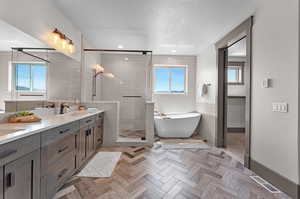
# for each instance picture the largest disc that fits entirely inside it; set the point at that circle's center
(11, 131)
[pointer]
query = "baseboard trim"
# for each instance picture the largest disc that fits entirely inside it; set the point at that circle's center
(282, 183)
(236, 130)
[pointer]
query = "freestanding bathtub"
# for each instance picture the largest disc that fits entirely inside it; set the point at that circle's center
(176, 125)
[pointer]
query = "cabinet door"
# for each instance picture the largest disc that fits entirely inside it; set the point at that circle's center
(22, 177)
(81, 146)
(90, 142)
(98, 133)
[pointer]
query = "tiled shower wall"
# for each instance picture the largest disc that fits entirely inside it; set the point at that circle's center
(131, 79)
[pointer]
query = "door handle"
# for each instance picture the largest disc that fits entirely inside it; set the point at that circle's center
(10, 180)
(64, 131)
(63, 149)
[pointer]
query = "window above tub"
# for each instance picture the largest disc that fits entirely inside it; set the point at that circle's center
(170, 79)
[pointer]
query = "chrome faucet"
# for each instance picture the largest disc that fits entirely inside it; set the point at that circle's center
(62, 108)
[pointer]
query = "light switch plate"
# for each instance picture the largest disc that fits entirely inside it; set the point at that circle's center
(266, 83)
(281, 107)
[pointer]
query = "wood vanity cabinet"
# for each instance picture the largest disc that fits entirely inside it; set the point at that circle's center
(35, 167)
(20, 169)
(85, 140)
(22, 177)
(58, 157)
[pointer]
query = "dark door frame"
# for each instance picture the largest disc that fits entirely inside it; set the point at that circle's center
(242, 31)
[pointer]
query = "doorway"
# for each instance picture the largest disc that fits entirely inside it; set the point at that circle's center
(234, 92)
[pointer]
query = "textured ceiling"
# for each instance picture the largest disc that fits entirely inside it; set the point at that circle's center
(187, 26)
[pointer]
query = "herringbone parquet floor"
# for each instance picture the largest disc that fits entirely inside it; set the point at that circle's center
(155, 173)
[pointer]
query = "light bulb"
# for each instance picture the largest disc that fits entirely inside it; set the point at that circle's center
(56, 36)
(110, 75)
(99, 69)
(63, 42)
(71, 47)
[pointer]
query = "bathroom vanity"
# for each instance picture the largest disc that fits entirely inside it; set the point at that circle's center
(37, 159)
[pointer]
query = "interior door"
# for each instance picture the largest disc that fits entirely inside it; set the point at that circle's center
(21, 178)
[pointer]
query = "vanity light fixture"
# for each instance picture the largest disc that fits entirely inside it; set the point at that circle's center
(56, 36)
(99, 70)
(62, 42)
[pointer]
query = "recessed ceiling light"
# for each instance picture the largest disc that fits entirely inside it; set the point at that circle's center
(174, 51)
(120, 46)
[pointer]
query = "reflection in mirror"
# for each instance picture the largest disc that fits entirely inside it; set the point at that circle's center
(36, 77)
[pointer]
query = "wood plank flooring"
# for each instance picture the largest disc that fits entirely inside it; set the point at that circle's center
(236, 145)
(153, 173)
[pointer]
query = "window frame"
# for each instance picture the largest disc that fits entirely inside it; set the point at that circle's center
(168, 66)
(240, 66)
(14, 77)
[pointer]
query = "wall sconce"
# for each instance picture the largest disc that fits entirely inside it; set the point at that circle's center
(62, 42)
(99, 70)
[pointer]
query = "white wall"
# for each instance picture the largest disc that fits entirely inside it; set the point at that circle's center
(63, 77)
(38, 18)
(274, 141)
(276, 54)
(207, 73)
(173, 103)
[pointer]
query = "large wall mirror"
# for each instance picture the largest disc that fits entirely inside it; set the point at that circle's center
(32, 76)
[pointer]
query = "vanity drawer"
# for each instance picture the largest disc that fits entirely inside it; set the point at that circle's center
(57, 175)
(16, 149)
(87, 121)
(52, 153)
(55, 134)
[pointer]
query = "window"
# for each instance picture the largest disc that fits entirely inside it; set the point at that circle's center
(30, 77)
(235, 73)
(170, 79)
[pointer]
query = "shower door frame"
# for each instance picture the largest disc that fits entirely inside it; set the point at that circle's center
(242, 31)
